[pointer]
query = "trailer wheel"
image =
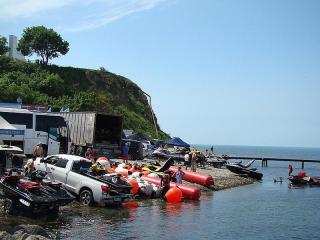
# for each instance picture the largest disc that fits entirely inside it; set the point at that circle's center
(8, 206)
(86, 198)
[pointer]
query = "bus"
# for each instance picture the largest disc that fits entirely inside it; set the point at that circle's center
(26, 129)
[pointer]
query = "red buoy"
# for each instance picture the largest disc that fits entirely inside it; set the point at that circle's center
(135, 186)
(173, 195)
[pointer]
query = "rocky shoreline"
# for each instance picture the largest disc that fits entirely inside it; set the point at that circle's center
(224, 179)
(23, 232)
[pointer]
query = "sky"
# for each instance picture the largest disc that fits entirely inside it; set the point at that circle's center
(222, 72)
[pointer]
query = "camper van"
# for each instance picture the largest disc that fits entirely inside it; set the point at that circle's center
(65, 132)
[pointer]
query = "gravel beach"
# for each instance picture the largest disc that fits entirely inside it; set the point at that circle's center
(224, 179)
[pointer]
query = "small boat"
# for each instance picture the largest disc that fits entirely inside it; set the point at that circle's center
(215, 162)
(32, 195)
(279, 179)
(247, 165)
(304, 180)
(244, 171)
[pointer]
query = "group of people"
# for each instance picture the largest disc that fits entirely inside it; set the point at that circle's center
(190, 160)
(167, 177)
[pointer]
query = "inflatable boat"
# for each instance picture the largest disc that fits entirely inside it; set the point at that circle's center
(194, 177)
(188, 192)
(146, 189)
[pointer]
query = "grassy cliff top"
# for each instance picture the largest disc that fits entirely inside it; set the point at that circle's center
(79, 89)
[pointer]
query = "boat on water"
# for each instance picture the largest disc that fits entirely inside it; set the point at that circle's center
(34, 195)
(304, 180)
(250, 172)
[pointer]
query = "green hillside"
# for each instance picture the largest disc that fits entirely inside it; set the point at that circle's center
(79, 89)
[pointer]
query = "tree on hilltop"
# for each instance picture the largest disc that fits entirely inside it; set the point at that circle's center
(44, 42)
(3, 45)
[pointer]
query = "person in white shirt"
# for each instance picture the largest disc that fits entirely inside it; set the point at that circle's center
(187, 160)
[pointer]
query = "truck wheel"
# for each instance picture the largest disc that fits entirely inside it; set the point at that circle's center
(86, 197)
(8, 206)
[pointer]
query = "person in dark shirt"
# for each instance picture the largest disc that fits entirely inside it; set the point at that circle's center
(125, 153)
(165, 183)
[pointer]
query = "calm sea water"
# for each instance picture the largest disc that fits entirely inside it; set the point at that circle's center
(264, 210)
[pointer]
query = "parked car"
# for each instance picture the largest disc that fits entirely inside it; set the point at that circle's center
(90, 190)
(135, 148)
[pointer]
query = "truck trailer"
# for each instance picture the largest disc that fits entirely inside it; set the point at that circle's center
(100, 131)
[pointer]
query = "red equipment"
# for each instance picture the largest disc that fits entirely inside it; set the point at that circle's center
(205, 180)
(188, 192)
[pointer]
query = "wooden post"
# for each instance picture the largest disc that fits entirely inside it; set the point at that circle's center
(302, 164)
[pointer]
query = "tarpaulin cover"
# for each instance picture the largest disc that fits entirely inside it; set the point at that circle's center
(177, 142)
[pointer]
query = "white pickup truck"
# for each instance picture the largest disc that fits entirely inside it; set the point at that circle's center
(66, 168)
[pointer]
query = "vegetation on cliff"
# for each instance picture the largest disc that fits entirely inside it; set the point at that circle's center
(79, 89)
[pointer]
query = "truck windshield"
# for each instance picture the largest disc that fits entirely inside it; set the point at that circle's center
(80, 164)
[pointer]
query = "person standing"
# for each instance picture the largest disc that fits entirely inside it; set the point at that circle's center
(125, 153)
(290, 169)
(38, 150)
(194, 162)
(165, 183)
(206, 154)
(29, 167)
(179, 175)
(88, 153)
(187, 160)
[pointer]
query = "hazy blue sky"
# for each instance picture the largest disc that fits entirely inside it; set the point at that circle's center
(219, 71)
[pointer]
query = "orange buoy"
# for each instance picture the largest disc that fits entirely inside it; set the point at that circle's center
(174, 195)
(135, 186)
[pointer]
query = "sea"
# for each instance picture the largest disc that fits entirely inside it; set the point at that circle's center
(263, 210)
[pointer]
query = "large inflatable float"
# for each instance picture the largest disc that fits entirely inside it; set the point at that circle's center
(205, 180)
(188, 192)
